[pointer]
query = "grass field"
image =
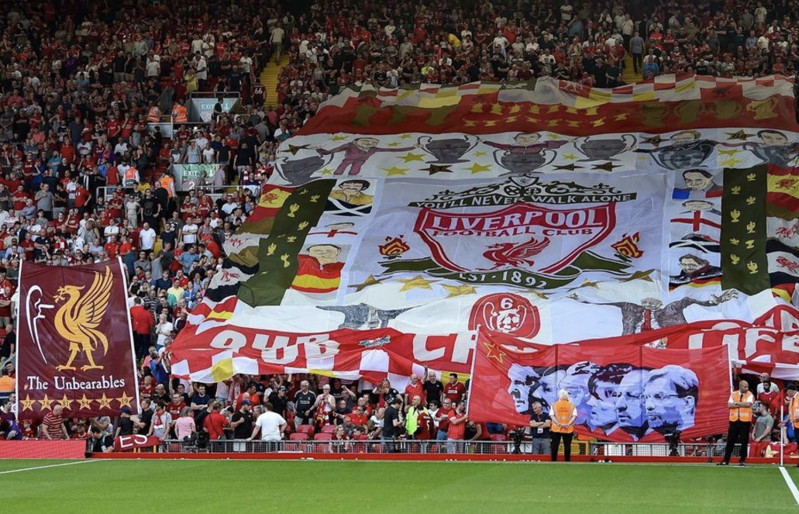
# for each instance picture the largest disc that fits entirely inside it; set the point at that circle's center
(403, 487)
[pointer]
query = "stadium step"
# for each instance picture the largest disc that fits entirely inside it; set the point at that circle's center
(629, 76)
(270, 78)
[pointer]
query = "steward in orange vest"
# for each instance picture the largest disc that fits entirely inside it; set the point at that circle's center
(179, 114)
(563, 415)
(740, 407)
(154, 114)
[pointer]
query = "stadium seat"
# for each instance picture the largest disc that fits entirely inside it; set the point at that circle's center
(306, 429)
(323, 436)
(299, 436)
(329, 429)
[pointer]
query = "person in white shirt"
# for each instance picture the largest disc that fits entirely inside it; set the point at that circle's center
(147, 237)
(270, 424)
(189, 233)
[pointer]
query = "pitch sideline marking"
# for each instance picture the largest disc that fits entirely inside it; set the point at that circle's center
(791, 485)
(46, 467)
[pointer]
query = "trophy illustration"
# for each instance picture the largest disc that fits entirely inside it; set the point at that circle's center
(299, 171)
(604, 149)
(523, 162)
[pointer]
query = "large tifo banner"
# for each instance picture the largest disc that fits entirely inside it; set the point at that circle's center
(627, 393)
(74, 338)
(545, 211)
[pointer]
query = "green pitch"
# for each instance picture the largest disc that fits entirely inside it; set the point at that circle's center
(386, 487)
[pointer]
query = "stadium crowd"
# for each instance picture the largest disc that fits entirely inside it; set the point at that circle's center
(85, 178)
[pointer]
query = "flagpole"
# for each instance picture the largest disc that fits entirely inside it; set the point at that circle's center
(471, 371)
(16, 349)
(782, 433)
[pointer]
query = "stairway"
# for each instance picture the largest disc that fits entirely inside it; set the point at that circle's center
(269, 78)
(629, 76)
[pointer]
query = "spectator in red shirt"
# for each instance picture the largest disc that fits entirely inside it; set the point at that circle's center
(457, 428)
(415, 388)
(52, 427)
(454, 390)
(215, 423)
(142, 321)
(442, 418)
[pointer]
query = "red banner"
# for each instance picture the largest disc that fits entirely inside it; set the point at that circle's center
(74, 338)
(128, 443)
(622, 393)
(218, 353)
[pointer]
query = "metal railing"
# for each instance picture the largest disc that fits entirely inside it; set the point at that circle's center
(704, 449)
(372, 446)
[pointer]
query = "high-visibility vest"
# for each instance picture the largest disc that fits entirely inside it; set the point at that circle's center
(168, 183)
(130, 175)
(793, 410)
(562, 412)
(179, 114)
(412, 419)
(742, 413)
(154, 114)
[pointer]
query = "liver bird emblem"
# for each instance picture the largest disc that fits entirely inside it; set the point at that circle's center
(78, 319)
(515, 254)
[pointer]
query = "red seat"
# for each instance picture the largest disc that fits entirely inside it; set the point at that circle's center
(306, 429)
(498, 437)
(495, 446)
(329, 429)
(299, 436)
(324, 436)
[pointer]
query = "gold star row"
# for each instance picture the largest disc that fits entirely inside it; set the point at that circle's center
(83, 403)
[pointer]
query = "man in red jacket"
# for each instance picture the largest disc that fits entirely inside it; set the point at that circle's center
(143, 323)
(215, 423)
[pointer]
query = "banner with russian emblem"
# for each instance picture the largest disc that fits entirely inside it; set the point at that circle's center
(75, 346)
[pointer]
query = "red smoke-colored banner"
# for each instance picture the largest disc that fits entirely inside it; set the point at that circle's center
(622, 393)
(74, 337)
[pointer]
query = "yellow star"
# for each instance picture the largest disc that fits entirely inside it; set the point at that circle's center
(730, 163)
(572, 110)
(459, 290)
(393, 144)
(553, 123)
(534, 109)
(643, 158)
(408, 157)
(511, 119)
(405, 136)
(480, 153)
(326, 171)
(530, 119)
(27, 403)
(124, 400)
(395, 171)
(553, 108)
(477, 168)
(65, 402)
(84, 402)
(497, 355)
(599, 122)
(45, 403)
(370, 281)
(469, 123)
(417, 282)
(104, 402)
(621, 117)
(515, 108)
(573, 123)
(489, 123)
(339, 137)
(569, 156)
(730, 152)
